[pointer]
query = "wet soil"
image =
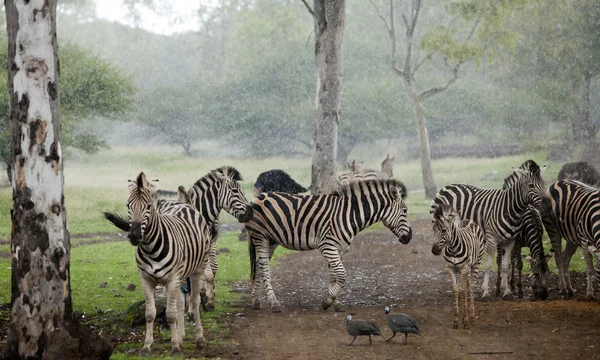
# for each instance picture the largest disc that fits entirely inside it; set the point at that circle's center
(383, 272)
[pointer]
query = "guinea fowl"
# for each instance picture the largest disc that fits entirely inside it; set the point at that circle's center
(401, 323)
(358, 327)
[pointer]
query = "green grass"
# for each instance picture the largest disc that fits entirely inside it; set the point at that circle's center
(97, 183)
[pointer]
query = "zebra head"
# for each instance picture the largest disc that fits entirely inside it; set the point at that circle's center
(528, 176)
(444, 217)
(141, 206)
(397, 219)
(539, 274)
(231, 195)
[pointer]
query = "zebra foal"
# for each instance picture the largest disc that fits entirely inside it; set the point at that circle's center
(572, 211)
(462, 244)
(324, 222)
(498, 211)
(172, 244)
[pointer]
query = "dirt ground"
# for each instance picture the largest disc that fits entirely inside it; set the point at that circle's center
(383, 272)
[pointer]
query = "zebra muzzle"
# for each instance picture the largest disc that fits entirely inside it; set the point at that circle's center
(135, 233)
(405, 239)
(247, 216)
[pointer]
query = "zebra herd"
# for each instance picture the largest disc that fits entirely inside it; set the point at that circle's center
(177, 239)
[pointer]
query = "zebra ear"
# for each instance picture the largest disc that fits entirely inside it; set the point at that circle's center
(519, 171)
(182, 195)
(395, 193)
(542, 169)
(153, 186)
(527, 257)
(131, 185)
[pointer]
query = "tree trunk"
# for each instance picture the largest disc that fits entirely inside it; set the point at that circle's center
(41, 293)
(330, 18)
(424, 150)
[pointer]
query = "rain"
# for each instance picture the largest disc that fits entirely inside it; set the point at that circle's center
(376, 112)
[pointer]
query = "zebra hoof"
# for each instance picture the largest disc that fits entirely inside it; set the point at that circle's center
(589, 297)
(466, 325)
(327, 302)
(175, 350)
(256, 305)
(145, 351)
(276, 308)
(200, 343)
(338, 306)
(508, 296)
(455, 325)
(486, 297)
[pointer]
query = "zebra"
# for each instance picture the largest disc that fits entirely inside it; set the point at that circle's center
(572, 211)
(498, 212)
(462, 243)
(530, 236)
(219, 189)
(172, 244)
(387, 172)
(326, 222)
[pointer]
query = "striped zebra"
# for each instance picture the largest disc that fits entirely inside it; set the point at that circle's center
(219, 189)
(462, 243)
(572, 211)
(325, 222)
(387, 172)
(172, 244)
(530, 236)
(499, 212)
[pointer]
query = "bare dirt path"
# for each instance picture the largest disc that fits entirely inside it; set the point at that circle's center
(381, 272)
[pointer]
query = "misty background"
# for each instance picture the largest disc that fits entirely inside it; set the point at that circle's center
(237, 79)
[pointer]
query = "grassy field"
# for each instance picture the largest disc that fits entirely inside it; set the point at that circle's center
(98, 183)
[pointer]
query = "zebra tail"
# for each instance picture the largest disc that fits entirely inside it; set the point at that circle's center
(252, 251)
(117, 220)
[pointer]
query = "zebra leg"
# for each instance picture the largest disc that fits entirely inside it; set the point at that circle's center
(517, 261)
(454, 283)
(180, 316)
(264, 252)
(589, 270)
(337, 276)
(207, 294)
(499, 253)
(196, 279)
(148, 286)
(472, 289)
(173, 298)
(570, 249)
(464, 284)
(207, 289)
(490, 247)
(556, 241)
(506, 259)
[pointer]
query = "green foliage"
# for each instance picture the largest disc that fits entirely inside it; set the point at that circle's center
(89, 87)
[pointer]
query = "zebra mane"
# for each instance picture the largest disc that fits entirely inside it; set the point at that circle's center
(229, 171)
(529, 165)
(355, 186)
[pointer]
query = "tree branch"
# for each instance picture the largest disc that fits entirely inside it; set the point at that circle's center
(392, 34)
(418, 65)
(310, 10)
(436, 90)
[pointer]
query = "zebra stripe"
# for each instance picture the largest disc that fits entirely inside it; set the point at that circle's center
(462, 243)
(572, 212)
(219, 189)
(324, 222)
(172, 244)
(529, 235)
(498, 212)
